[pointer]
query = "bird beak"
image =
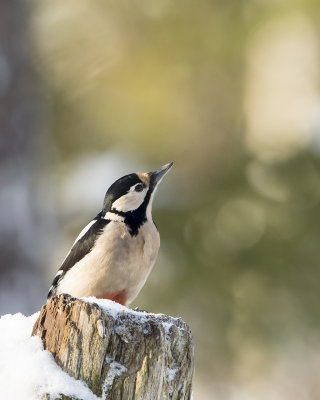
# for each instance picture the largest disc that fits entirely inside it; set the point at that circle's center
(156, 176)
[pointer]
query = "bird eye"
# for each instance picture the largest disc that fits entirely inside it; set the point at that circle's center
(139, 187)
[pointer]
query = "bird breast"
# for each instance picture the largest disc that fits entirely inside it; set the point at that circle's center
(118, 263)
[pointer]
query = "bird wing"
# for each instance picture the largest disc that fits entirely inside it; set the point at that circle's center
(81, 247)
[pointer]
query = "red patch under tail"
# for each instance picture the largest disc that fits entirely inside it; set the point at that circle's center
(118, 297)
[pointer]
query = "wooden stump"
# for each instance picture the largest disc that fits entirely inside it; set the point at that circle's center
(119, 353)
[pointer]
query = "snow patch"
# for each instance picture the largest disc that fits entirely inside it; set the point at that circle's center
(171, 373)
(27, 371)
(167, 326)
(116, 310)
(115, 369)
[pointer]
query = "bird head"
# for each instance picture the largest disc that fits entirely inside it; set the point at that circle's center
(133, 194)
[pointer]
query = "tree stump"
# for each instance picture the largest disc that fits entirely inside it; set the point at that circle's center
(118, 352)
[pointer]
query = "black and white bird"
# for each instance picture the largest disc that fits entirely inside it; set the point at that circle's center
(114, 254)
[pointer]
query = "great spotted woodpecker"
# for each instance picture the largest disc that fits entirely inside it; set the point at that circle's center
(114, 254)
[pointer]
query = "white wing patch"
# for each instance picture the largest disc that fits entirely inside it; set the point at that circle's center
(85, 230)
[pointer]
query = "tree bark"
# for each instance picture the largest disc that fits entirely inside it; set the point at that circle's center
(119, 353)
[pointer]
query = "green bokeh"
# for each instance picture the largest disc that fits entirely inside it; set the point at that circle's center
(167, 81)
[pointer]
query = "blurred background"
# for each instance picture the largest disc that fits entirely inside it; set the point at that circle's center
(229, 91)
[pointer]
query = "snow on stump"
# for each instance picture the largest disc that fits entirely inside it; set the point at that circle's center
(118, 352)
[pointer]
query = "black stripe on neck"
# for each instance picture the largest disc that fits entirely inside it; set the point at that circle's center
(133, 219)
(136, 218)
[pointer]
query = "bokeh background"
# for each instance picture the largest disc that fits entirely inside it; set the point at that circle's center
(230, 92)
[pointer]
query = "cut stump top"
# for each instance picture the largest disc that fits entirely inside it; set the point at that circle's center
(118, 352)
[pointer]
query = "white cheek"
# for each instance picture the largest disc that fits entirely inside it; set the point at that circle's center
(130, 201)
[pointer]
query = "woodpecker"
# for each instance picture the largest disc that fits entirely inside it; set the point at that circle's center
(114, 254)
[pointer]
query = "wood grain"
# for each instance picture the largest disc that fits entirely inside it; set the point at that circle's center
(128, 355)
